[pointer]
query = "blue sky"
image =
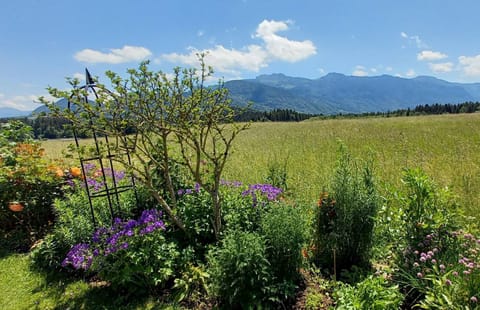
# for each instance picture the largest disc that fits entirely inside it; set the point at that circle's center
(44, 41)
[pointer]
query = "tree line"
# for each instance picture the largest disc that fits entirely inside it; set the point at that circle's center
(49, 127)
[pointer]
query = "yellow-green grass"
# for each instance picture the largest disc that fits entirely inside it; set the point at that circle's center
(22, 288)
(447, 147)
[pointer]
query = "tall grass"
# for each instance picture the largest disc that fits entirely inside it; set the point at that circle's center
(447, 147)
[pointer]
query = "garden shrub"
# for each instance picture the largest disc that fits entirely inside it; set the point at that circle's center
(74, 223)
(131, 254)
(373, 293)
(430, 221)
(344, 219)
(28, 180)
(239, 270)
(284, 229)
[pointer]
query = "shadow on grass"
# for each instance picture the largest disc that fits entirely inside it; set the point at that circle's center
(14, 241)
(68, 292)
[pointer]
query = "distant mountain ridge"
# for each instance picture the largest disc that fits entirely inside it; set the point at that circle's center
(11, 112)
(336, 93)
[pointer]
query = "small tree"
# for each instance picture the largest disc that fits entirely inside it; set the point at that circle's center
(167, 114)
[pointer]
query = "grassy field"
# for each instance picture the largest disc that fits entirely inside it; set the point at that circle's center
(447, 147)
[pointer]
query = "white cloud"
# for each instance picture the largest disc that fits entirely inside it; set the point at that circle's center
(430, 55)
(252, 57)
(441, 67)
(224, 60)
(414, 39)
(23, 102)
(280, 47)
(115, 56)
(79, 76)
(470, 65)
(410, 73)
(389, 69)
(360, 71)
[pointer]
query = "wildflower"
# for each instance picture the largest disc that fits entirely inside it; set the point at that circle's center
(448, 282)
(434, 261)
(466, 272)
(75, 172)
(415, 264)
(455, 273)
(419, 275)
(474, 299)
(442, 267)
(423, 259)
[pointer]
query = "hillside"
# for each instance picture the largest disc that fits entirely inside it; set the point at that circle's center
(337, 93)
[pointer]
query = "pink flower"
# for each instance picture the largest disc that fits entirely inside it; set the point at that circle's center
(448, 282)
(473, 299)
(419, 275)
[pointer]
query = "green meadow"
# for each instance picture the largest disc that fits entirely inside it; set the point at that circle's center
(446, 147)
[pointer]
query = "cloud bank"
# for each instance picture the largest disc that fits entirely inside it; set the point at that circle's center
(273, 47)
(115, 56)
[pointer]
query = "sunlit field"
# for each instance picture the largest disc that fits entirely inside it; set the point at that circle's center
(447, 147)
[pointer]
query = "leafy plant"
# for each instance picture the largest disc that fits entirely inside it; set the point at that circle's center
(372, 293)
(29, 183)
(344, 219)
(284, 229)
(133, 253)
(240, 272)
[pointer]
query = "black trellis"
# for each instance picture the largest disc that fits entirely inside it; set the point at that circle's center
(104, 158)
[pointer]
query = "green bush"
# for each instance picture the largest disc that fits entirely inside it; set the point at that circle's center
(133, 255)
(430, 219)
(240, 272)
(284, 229)
(28, 181)
(74, 224)
(344, 220)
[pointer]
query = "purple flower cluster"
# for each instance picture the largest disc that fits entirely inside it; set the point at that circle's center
(106, 241)
(269, 191)
(463, 270)
(96, 177)
(189, 191)
(235, 184)
(79, 257)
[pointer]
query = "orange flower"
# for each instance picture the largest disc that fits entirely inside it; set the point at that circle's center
(75, 171)
(59, 173)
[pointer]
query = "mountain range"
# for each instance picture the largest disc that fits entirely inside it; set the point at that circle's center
(337, 93)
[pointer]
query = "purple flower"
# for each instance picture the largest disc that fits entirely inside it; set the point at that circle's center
(79, 257)
(268, 190)
(197, 188)
(419, 275)
(448, 282)
(474, 299)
